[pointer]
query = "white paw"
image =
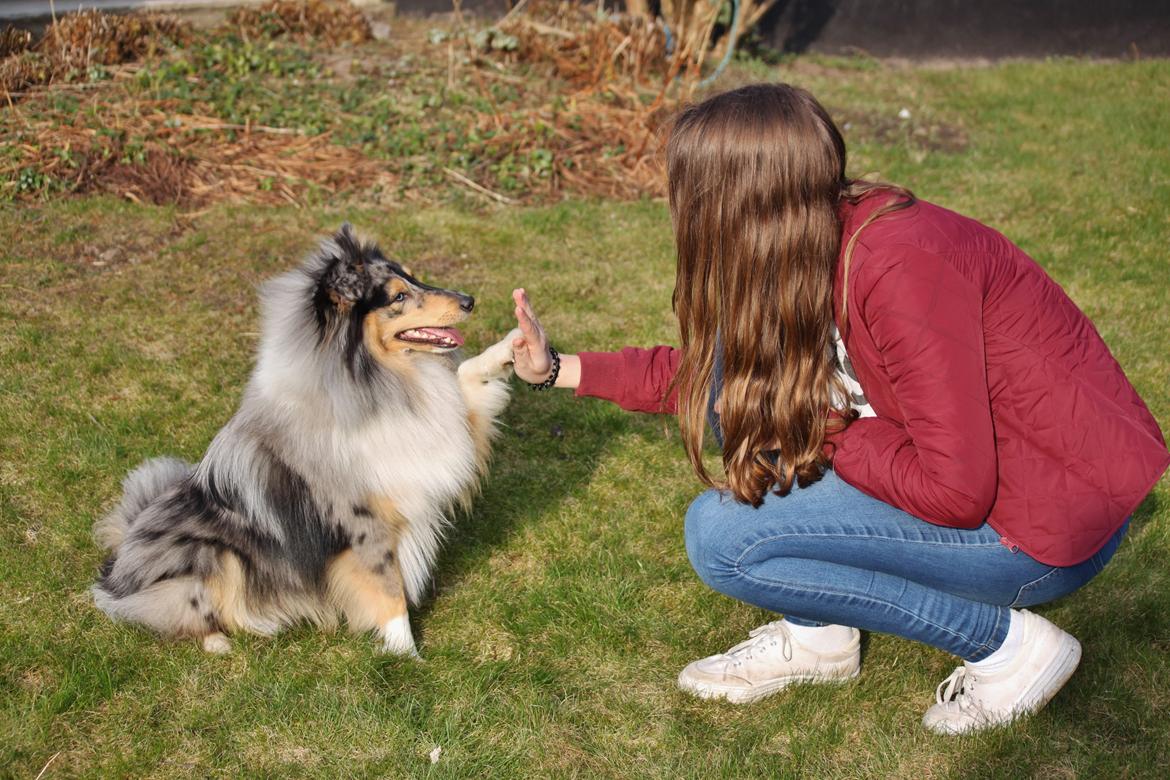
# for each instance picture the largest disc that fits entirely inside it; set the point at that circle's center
(503, 347)
(495, 362)
(217, 644)
(396, 637)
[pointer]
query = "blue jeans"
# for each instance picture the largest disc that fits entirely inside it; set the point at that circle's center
(828, 553)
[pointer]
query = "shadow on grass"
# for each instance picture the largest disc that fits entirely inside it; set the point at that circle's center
(548, 449)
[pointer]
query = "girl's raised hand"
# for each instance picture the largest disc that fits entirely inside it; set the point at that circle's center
(533, 363)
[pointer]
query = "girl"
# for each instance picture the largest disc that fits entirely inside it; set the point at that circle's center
(921, 433)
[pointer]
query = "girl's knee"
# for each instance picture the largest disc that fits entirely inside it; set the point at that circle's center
(705, 532)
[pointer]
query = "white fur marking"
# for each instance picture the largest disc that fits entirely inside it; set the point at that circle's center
(396, 636)
(217, 643)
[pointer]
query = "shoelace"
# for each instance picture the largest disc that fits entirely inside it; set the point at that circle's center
(767, 635)
(959, 688)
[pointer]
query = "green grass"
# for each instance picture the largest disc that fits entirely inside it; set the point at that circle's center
(563, 605)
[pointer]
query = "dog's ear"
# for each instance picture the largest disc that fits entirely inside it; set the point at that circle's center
(347, 277)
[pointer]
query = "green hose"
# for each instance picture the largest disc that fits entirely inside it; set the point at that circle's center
(733, 38)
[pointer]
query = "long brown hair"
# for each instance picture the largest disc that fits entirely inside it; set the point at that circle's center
(756, 176)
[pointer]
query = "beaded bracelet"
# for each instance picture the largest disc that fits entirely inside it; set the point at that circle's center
(556, 369)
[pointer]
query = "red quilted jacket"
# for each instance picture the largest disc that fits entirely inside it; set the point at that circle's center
(996, 399)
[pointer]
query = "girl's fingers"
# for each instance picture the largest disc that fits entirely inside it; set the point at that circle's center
(521, 296)
(531, 329)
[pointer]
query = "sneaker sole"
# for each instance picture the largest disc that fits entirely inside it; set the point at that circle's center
(734, 695)
(1046, 688)
(1068, 658)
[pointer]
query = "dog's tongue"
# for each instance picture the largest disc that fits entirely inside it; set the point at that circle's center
(444, 333)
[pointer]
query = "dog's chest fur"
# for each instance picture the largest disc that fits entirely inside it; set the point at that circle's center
(423, 456)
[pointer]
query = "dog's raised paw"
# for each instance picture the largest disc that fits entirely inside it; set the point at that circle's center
(495, 362)
(499, 355)
(217, 644)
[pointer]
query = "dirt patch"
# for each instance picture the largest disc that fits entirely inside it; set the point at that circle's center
(434, 266)
(926, 135)
(131, 249)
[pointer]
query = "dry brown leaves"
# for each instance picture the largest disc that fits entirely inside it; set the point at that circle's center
(597, 149)
(193, 160)
(76, 42)
(185, 160)
(590, 106)
(20, 71)
(589, 51)
(14, 41)
(619, 73)
(616, 154)
(323, 20)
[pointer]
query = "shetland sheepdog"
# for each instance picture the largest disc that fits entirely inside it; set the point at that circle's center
(327, 494)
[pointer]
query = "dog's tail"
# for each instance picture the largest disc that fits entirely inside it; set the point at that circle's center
(141, 486)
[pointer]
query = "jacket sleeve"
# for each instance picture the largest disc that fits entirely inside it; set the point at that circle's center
(637, 380)
(926, 321)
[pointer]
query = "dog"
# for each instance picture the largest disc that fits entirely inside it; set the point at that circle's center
(327, 494)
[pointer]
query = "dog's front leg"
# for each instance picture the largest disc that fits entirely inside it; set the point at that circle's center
(483, 381)
(365, 582)
(372, 598)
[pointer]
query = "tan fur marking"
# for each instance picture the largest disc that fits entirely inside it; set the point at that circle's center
(342, 303)
(431, 309)
(482, 433)
(395, 286)
(441, 308)
(387, 350)
(367, 600)
(228, 591)
(386, 511)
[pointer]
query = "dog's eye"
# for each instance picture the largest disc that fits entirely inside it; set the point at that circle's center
(399, 298)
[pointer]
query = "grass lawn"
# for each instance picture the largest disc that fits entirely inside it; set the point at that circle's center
(563, 605)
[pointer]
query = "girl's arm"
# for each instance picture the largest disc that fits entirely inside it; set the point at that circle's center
(926, 320)
(638, 380)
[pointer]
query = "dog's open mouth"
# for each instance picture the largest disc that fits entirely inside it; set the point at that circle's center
(444, 338)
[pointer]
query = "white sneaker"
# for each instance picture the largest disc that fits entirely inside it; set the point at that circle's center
(769, 660)
(970, 700)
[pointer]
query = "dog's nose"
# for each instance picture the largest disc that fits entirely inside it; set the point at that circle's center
(467, 303)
